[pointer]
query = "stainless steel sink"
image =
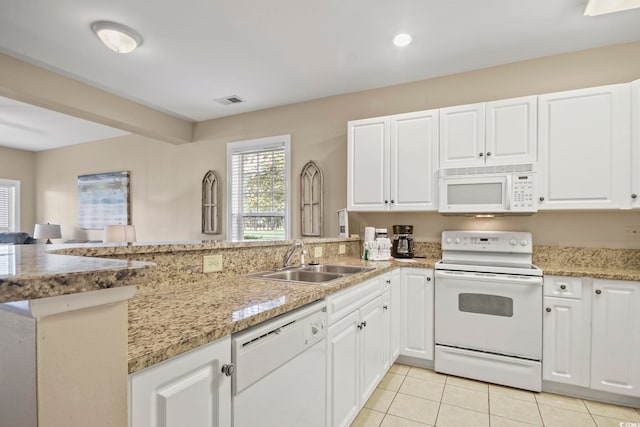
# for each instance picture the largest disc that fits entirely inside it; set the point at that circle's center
(319, 274)
(302, 276)
(339, 269)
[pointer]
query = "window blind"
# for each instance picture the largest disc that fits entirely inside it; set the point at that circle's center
(258, 189)
(7, 207)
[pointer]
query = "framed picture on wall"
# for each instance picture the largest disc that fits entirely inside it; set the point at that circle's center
(103, 199)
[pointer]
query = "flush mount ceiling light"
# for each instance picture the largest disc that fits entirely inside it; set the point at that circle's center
(601, 7)
(401, 40)
(117, 37)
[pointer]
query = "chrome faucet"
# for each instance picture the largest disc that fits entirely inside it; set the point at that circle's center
(290, 252)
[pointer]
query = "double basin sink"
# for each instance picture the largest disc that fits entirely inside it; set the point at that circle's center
(318, 274)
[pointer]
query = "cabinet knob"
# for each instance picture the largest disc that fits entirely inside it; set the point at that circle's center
(563, 287)
(359, 326)
(548, 310)
(386, 201)
(428, 279)
(598, 291)
(228, 369)
(488, 153)
(388, 281)
(634, 196)
(386, 307)
(541, 199)
(393, 201)
(481, 154)
(364, 324)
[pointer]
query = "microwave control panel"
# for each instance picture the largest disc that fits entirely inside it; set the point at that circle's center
(522, 192)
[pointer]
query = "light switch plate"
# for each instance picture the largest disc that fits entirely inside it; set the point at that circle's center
(342, 249)
(211, 263)
(317, 252)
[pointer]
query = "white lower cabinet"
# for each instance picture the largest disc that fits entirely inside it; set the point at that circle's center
(395, 308)
(355, 350)
(416, 313)
(592, 336)
(615, 351)
(188, 390)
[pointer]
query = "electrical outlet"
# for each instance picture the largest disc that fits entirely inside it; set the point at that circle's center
(211, 263)
(342, 249)
(317, 252)
(634, 231)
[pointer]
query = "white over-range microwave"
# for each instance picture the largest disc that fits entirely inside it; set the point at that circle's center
(502, 190)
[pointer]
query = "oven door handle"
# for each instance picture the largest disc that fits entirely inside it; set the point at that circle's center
(496, 278)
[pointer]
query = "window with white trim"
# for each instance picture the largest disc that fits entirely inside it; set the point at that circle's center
(9, 205)
(258, 190)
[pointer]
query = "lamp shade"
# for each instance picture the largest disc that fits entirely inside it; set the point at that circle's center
(47, 231)
(119, 233)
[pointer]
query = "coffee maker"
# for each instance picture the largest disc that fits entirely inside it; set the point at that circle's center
(402, 241)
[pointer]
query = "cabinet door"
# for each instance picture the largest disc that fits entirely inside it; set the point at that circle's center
(511, 131)
(343, 371)
(368, 164)
(635, 144)
(566, 341)
(615, 352)
(584, 148)
(386, 330)
(462, 136)
(186, 391)
(395, 308)
(371, 348)
(417, 313)
(414, 161)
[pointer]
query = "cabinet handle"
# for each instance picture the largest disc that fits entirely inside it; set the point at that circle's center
(428, 279)
(563, 287)
(598, 291)
(228, 369)
(488, 153)
(386, 307)
(634, 196)
(541, 199)
(548, 310)
(481, 154)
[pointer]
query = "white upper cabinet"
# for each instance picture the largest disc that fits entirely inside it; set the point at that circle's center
(584, 148)
(368, 164)
(488, 134)
(462, 136)
(392, 163)
(635, 144)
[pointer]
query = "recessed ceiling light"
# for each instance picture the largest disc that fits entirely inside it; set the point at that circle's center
(601, 7)
(116, 36)
(402, 40)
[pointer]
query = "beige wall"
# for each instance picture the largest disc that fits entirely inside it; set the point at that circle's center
(20, 165)
(166, 179)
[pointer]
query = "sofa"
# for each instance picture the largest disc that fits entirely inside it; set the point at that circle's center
(17, 238)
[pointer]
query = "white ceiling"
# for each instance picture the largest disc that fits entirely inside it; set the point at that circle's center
(27, 127)
(279, 52)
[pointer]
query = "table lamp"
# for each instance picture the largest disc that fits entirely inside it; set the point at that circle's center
(47, 231)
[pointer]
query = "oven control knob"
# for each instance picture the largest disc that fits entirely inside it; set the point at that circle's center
(457, 241)
(523, 243)
(448, 240)
(513, 242)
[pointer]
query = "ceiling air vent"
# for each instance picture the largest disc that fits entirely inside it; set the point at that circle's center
(228, 100)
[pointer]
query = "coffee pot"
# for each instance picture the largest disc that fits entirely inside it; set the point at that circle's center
(402, 241)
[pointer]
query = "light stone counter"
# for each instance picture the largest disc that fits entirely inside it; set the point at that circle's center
(28, 272)
(165, 321)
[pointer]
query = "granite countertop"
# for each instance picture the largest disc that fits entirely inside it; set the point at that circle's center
(29, 272)
(166, 320)
(596, 272)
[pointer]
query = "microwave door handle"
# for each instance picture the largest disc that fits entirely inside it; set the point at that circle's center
(507, 190)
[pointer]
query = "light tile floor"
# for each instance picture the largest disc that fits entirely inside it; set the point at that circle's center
(408, 397)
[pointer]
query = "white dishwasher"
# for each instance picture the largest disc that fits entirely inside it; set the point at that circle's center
(280, 371)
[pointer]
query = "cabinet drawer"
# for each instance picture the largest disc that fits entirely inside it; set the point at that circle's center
(563, 287)
(348, 300)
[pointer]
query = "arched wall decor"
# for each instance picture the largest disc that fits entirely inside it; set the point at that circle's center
(210, 204)
(311, 203)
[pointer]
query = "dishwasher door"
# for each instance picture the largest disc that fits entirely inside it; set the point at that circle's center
(280, 375)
